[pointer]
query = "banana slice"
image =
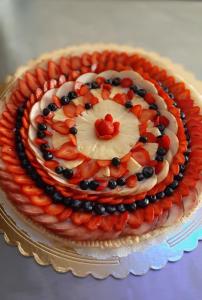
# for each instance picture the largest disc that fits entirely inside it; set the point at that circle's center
(109, 74)
(160, 103)
(137, 100)
(172, 121)
(85, 78)
(133, 166)
(151, 148)
(47, 98)
(174, 142)
(65, 89)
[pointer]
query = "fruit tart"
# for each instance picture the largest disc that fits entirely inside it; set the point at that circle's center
(101, 142)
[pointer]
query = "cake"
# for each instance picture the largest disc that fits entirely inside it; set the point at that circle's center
(101, 142)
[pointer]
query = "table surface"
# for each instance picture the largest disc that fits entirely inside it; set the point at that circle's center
(28, 28)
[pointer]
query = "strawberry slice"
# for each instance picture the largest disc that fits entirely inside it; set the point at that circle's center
(41, 200)
(108, 223)
(41, 76)
(87, 169)
(149, 98)
(60, 127)
(65, 214)
(54, 209)
(126, 157)
(120, 98)
(103, 163)
(131, 181)
(126, 82)
(164, 121)
(137, 110)
(105, 94)
(51, 164)
(31, 190)
(69, 110)
(67, 151)
(122, 220)
(79, 218)
(118, 171)
(141, 156)
(136, 219)
(164, 142)
(31, 81)
(147, 114)
(130, 95)
(24, 89)
(149, 214)
(53, 70)
(94, 222)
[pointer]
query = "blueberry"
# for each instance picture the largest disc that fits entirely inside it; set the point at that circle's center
(88, 206)
(73, 130)
(141, 92)
(159, 158)
(72, 95)
(182, 115)
(18, 124)
(65, 100)
(121, 207)
(20, 111)
(52, 107)
(49, 189)
(57, 197)
(109, 81)
(171, 95)
(67, 201)
(161, 128)
(134, 88)
(168, 191)
(186, 159)
(68, 173)
(175, 104)
(128, 104)
(41, 134)
(153, 106)
(42, 126)
(40, 183)
(116, 161)
(121, 181)
(160, 195)
(179, 176)
(174, 184)
(99, 209)
(76, 204)
(140, 176)
(44, 147)
(116, 81)
(94, 85)
(166, 89)
(147, 172)
(47, 155)
(161, 151)
(152, 198)
(93, 185)
(143, 139)
(88, 106)
(182, 168)
(131, 206)
(22, 155)
(142, 203)
(188, 136)
(110, 209)
(84, 184)
(20, 146)
(46, 111)
(112, 184)
(25, 163)
(59, 170)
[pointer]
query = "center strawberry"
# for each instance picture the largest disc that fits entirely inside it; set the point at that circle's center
(105, 128)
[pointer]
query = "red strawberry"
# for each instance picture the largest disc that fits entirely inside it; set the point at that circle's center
(149, 98)
(69, 110)
(130, 95)
(159, 167)
(147, 114)
(163, 120)
(42, 200)
(108, 222)
(64, 65)
(149, 214)
(131, 181)
(94, 222)
(137, 110)
(66, 151)
(53, 70)
(83, 90)
(31, 190)
(103, 163)
(141, 156)
(126, 82)
(51, 164)
(65, 214)
(136, 219)
(42, 76)
(120, 98)
(87, 169)
(54, 209)
(118, 171)
(105, 94)
(24, 88)
(60, 127)
(79, 218)
(165, 142)
(122, 220)
(31, 81)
